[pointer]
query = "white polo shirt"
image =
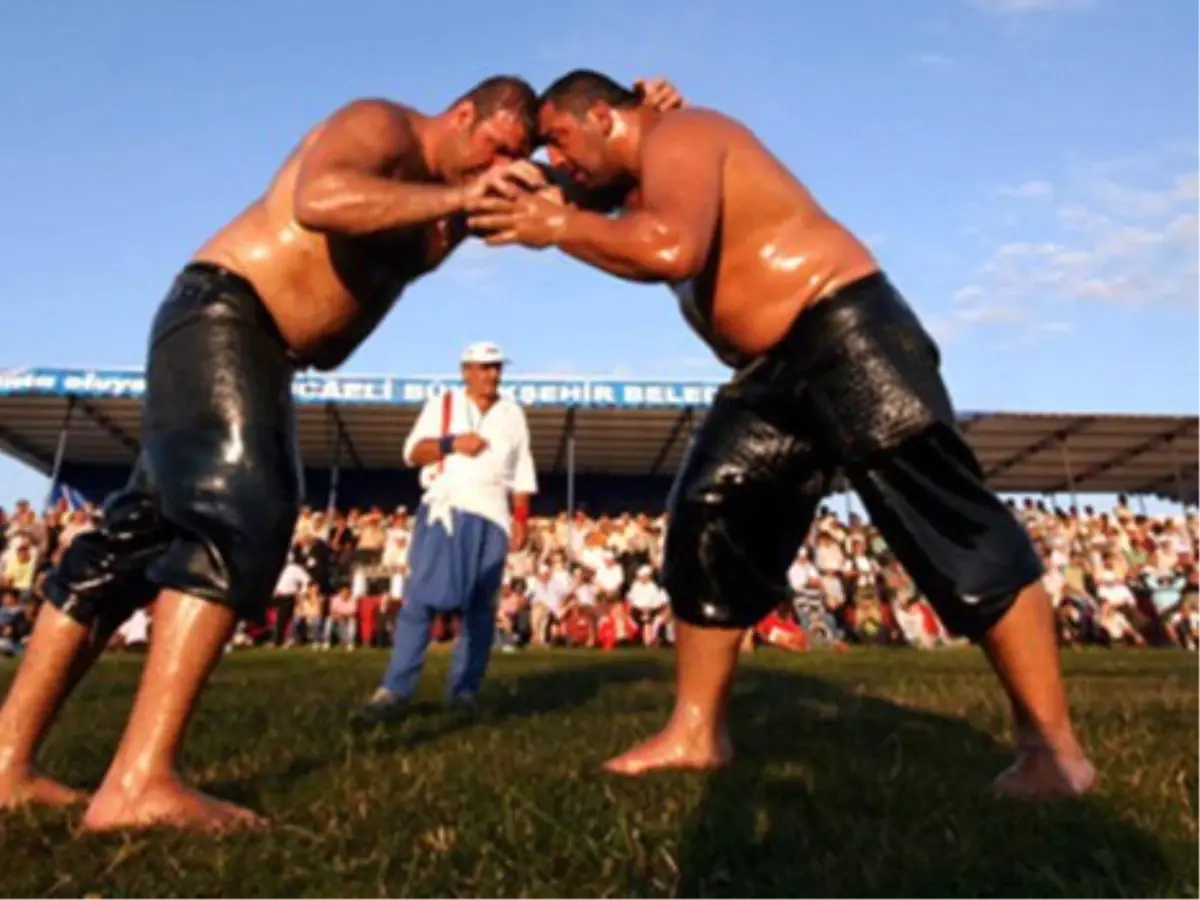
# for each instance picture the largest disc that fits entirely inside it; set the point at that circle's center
(475, 484)
(293, 581)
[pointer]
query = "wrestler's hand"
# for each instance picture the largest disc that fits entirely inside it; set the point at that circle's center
(659, 93)
(530, 219)
(552, 193)
(470, 444)
(508, 179)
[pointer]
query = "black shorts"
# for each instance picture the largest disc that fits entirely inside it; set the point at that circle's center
(210, 507)
(854, 387)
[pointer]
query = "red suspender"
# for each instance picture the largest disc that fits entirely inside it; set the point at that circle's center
(447, 410)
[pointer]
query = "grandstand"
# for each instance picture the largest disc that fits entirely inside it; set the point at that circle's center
(600, 443)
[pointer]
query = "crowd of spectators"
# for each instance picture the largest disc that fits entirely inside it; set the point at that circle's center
(1116, 578)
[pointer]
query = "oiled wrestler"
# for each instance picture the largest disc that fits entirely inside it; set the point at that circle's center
(370, 200)
(834, 372)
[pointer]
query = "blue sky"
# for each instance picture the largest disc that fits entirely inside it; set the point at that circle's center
(1025, 169)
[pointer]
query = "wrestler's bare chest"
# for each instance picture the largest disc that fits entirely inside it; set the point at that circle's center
(377, 268)
(697, 298)
(403, 255)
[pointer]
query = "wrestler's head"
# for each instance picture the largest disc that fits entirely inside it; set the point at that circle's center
(585, 120)
(494, 122)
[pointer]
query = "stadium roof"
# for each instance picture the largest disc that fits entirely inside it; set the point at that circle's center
(620, 427)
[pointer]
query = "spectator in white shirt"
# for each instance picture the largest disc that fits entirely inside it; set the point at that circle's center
(1116, 627)
(648, 602)
(592, 556)
(545, 604)
(396, 542)
(913, 623)
(562, 583)
(1110, 588)
(808, 601)
(585, 591)
(293, 581)
(547, 600)
(610, 577)
(473, 447)
(519, 566)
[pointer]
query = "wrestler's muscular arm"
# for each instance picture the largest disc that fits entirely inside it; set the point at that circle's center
(348, 183)
(668, 238)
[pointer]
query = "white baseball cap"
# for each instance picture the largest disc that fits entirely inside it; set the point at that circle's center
(484, 353)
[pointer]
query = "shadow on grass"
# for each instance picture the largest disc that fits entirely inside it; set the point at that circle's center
(542, 691)
(837, 794)
(250, 790)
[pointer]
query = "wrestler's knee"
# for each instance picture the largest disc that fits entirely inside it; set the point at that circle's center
(229, 554)
(983, 592)
(99, 581)
(719, 569)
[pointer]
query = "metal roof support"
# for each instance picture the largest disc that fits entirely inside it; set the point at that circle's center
(111, 428)
(21, 449)
(1044, 443)
(569, 435)
(333, 433)
(60, 451)
(1131, 454)
(1162, 485)
(568, 429)
(1066, 455)
(1177, 471)
(683, 422)
(968, 421)
(344, 436)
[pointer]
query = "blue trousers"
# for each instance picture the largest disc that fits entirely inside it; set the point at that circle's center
(459, 572)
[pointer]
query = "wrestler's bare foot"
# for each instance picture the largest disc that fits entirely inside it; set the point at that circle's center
(26, 787)
(165, 802)
(675, 747)
(1045, 772)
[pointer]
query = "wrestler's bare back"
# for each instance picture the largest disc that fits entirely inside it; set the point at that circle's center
(776, 250)
(327, 293)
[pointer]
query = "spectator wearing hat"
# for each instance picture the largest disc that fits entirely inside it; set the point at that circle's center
(472, 446)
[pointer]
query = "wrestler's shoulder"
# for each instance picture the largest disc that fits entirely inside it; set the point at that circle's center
(694, 122)
(372, 113)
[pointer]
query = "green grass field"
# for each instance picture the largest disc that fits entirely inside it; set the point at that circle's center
(858, 774)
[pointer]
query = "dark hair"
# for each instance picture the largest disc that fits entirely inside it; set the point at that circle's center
(504, 93)
(577, 91)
